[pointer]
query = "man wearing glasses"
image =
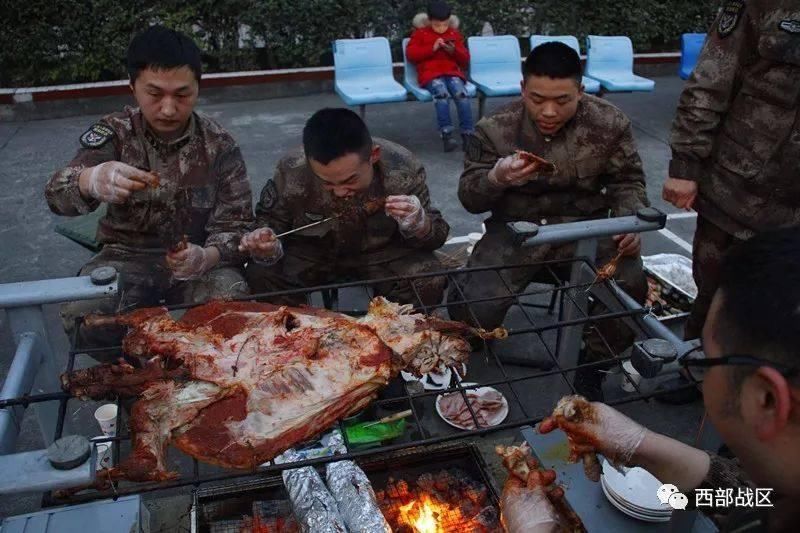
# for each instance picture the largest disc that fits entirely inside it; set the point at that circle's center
(750, 378)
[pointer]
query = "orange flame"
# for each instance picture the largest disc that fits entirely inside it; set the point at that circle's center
(428, 516)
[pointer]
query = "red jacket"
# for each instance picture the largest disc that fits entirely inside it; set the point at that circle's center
(432, 64)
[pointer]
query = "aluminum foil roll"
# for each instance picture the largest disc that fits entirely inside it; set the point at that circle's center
(356, 500)
(313, 506)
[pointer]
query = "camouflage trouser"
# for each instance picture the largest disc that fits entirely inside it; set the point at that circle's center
(144, 280)
(295, 272)
(497, 247)
(708, 249)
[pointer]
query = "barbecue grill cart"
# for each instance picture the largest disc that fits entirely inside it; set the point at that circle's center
(548, 320)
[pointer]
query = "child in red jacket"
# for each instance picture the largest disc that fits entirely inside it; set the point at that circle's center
(437, 49)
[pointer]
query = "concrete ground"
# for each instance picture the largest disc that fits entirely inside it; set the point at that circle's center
(31, 250)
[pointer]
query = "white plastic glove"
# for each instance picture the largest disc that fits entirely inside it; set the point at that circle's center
(262, 245)
(114, 182)
(594, 427)
(528, 510)
(189, 262)
(408, 212)
(512, 171)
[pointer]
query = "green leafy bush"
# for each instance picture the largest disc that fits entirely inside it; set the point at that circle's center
(43, 42)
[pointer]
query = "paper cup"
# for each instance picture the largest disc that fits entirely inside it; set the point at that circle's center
(630, 377)
(106, 416)
(104, 455)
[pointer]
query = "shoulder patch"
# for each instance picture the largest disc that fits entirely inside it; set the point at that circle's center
(729, 19)
(269, 195)
(473, 148)
(96, 136)
(790, 25)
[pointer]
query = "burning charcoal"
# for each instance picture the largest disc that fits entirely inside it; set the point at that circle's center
(467, 508)
(391, 490)
(402, 489)
(477, 494)
(425, 482)
(442, 481)
(404, 529)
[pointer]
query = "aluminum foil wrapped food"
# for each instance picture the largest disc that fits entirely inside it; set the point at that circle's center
(314, 507)
(353, 493)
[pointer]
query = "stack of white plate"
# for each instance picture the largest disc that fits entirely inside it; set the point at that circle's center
(634, 492)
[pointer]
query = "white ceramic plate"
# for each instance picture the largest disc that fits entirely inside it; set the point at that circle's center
(501, 414)
(630, 512)
(636, 487)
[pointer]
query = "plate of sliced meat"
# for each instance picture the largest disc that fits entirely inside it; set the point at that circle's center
(489, 405)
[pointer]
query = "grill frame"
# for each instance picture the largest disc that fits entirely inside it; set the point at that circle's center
(562, 287)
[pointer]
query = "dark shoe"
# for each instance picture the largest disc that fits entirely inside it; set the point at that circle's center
(449, 143)
(682, 395)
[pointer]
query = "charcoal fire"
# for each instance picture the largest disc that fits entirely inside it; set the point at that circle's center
(438, 503)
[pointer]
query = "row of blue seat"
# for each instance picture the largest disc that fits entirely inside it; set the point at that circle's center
(363, 68)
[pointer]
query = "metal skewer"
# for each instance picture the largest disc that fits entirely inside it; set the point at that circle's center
(301, 228)
(390, 418)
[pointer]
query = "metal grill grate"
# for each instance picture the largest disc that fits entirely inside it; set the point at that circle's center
(543, 318)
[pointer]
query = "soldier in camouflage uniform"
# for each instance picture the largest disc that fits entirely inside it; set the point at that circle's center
(736, 136)
(342, 171)
(598, 171)
(175, 184)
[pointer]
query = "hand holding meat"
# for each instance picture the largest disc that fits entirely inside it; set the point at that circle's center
(114, 182)
(680, 193)
(512, 171)
(628, 244)
(262, 245)
(189, 262)
(594, 427)
(531, 501)
(409, 214)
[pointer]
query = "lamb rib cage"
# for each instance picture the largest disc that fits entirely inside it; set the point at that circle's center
(561, 290)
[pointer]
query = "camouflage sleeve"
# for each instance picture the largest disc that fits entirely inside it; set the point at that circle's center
(626, 186)
(476, 193)
(439, 227)
(272, 209)
(233, 210)
(708, 93)
(62, 193)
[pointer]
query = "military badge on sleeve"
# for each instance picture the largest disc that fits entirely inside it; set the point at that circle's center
(790, 26)
(269, 195)
(96, 136)
(729, 18)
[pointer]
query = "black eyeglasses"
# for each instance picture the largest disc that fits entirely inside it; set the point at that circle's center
(697, 367)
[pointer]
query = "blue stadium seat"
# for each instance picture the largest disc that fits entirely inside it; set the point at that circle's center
(363, 72)
(609, 60)
(589, 85)
(410, 80)
(691, 46)
(495, 67)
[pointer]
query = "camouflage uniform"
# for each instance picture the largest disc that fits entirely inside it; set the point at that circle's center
(598, 171)
(737, 134)
(365, 247)
(203, 193)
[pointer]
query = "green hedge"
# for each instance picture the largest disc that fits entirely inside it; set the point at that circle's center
(44, 42)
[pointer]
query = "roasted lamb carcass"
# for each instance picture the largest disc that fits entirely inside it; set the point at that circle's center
(236, 383)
